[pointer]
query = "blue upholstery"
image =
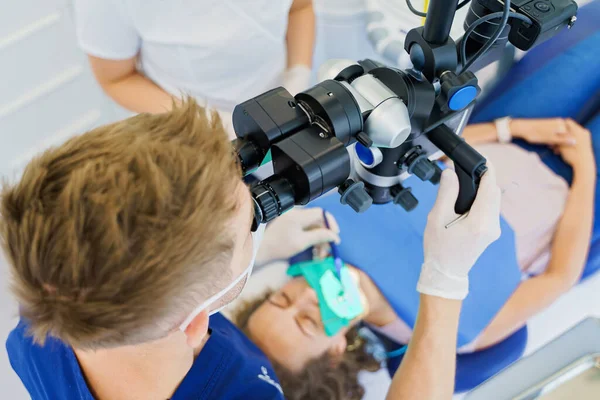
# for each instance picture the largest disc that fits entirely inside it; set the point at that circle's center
(593, 262)
(475, 368)
(471, 369)
(562, 74)
(560, 78)
(386, 242)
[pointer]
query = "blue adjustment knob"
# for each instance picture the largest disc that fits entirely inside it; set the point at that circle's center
(462, 98)
(369, 156)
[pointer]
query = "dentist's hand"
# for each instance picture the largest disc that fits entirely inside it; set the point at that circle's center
(451, 252)
(294, 232)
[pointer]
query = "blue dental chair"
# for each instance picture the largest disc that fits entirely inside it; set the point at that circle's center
(371, 242)
(571, 62)
(572, 59)
(475, 368)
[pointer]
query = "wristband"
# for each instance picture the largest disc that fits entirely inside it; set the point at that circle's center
(503, 130)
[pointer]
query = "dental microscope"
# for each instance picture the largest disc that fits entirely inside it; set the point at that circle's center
(368, 127)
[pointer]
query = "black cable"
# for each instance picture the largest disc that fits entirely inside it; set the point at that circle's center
(492, 40)
(461, 5)
(414, 10)
(486, 18)
(424, 14)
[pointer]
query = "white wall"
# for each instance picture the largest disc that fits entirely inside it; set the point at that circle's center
(47, 93)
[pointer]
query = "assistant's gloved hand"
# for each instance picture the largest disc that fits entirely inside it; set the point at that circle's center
(294, 232)
(451, 252)
(297, 79)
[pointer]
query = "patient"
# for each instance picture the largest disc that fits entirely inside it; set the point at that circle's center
(552, 226)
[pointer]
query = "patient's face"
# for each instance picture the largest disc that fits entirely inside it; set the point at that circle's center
(288, 328)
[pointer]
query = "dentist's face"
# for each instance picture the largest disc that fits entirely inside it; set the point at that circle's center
(241, 226)
(288, 327)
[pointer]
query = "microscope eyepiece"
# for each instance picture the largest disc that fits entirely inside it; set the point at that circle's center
(271, 198)
(249, 155)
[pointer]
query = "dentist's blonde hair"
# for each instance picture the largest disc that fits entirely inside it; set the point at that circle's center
(115, 236)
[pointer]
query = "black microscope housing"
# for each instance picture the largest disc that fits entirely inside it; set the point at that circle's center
(368, 127)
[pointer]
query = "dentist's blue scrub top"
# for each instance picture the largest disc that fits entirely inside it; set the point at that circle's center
(229, 367)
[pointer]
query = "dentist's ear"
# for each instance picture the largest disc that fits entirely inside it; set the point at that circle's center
(197, 329)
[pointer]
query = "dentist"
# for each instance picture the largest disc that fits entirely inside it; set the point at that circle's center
(124, 243)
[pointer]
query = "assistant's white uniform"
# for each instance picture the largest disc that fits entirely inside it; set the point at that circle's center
(220, 51)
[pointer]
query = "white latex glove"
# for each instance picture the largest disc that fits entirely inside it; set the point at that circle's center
(451, 252)
(297, 78)
(294, 232)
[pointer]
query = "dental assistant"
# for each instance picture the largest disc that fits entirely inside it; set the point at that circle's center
(222, 52)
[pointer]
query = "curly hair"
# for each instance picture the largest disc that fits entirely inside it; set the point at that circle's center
(323, 378)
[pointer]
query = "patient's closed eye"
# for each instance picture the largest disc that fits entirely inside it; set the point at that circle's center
(308, 325)
(280, 299)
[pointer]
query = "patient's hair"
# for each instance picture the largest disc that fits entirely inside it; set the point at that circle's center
(324, 378)
(114, 236)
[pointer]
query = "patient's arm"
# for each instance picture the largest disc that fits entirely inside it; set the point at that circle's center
(427, 371)
(550, 131)
(480, 133)
(569, 249)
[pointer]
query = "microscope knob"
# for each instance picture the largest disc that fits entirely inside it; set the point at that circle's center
(364, 139)
(404, 197)
(435, 179)
(422, 168)
(355, 195)
(457, 92)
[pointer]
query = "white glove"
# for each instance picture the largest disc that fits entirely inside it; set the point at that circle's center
(450, 252)
(297, 78)
(294, 232)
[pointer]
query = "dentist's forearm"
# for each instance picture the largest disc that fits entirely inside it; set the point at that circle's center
(301, 34)
(428, 369)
